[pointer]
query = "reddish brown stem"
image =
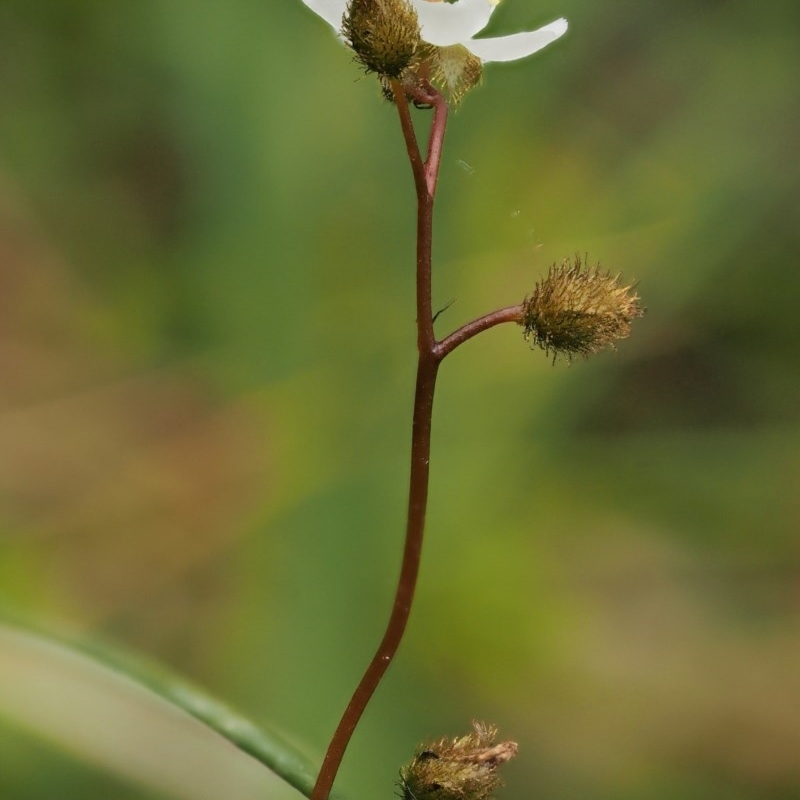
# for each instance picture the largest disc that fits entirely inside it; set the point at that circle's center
(435, 141)
(430, 355)
(466, 332)
(425, 177)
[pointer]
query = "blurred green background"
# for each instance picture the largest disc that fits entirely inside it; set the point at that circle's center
(206, 367)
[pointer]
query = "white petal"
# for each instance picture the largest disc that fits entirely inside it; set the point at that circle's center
(331, 11)
(518, 45)
(444, 24)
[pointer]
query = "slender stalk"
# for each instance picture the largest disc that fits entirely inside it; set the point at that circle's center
(418, 167)
(435, 142)
(466, 332)
(425, 178)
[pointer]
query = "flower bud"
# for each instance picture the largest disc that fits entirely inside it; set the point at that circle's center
(462, 768)
(384, 34)
(578, 310)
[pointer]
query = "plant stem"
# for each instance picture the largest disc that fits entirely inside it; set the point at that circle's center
(430, 355)
(466, 332)
(425, 177)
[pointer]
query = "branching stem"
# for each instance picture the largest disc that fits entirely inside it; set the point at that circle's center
(430, 355)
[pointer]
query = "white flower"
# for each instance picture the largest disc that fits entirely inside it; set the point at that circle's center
(445, 24)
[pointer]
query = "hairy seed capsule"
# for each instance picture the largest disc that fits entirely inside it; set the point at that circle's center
(578, 310)
(454, 69)
(461, 768)
(384, 34)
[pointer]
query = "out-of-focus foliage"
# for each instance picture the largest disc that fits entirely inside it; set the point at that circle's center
(206, 357)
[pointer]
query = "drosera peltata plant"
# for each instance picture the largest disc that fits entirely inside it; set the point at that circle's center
(426, 56)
